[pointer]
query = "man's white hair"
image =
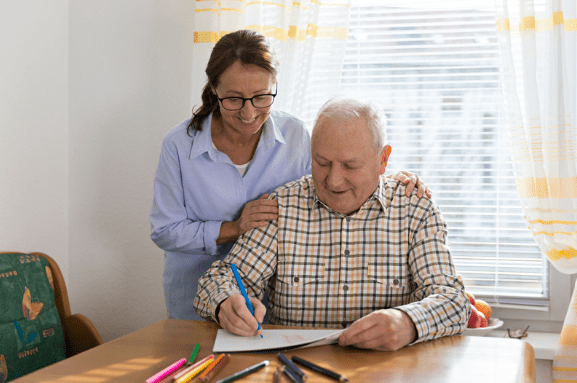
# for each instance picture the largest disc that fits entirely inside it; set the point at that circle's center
(347, 109)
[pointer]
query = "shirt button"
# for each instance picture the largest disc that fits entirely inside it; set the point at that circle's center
(296, 279)
(347, 253)
(346, 288)
(348, 219)
(396, 282)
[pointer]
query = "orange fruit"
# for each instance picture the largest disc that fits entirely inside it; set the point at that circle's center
(483, 307)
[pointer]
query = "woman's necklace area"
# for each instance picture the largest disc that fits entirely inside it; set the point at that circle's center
(239, 152)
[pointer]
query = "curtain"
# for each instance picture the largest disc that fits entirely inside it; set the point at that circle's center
(308, 36)
(538, 52)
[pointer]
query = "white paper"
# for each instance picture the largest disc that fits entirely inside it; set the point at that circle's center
(274, 340)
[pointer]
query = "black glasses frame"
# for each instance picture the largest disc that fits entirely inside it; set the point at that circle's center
(251, 99)
(517, 334)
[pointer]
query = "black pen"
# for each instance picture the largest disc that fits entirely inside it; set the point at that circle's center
(320, 369)
(290, 365)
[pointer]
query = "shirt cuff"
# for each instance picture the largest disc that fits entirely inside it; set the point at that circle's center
(211, 230)
(418, 316)
(216, 300)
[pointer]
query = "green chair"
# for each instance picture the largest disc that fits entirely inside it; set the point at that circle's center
(37, 327)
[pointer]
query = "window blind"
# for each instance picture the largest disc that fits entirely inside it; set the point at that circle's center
(434, 68)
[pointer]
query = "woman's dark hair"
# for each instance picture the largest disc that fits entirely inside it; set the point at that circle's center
(248, 46)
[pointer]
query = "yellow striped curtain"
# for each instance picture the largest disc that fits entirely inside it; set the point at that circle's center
(308, 36)
(538, 51)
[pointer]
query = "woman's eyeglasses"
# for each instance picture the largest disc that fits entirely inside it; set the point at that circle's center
(237, 103)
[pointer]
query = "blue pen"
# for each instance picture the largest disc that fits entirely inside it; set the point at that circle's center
(244, 294)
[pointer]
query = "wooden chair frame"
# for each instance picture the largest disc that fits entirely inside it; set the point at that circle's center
(80, 334)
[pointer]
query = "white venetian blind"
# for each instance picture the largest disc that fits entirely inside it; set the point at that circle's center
(434, 68)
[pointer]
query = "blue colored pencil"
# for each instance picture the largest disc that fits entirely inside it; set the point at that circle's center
(244, 294)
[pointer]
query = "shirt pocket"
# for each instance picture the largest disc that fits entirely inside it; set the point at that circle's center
(299, 292)
(297, 277)
(390, 284)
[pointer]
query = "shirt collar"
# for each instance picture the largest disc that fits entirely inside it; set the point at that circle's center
(378, 196)
(271, 133)
(202, 142)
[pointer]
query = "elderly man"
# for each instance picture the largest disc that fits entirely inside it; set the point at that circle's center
(349, 248)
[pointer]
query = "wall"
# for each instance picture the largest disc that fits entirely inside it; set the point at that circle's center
(34, 127)
(130, 64)
(88, 90)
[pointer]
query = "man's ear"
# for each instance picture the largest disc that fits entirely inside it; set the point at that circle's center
(385, 158)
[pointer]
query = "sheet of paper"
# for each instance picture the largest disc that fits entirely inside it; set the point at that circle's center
(274, 340)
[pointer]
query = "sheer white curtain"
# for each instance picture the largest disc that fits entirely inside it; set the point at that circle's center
(538, 48)
(309, 38)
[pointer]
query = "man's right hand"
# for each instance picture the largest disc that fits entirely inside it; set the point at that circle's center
(235, 317)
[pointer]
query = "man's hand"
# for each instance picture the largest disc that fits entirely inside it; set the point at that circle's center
(235, 317)
(412, 180)
(385, 330)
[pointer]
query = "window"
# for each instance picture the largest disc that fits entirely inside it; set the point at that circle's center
(435, 71)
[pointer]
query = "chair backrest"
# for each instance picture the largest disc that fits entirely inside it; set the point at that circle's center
(31, 334)
(60, 291)
(36, 324)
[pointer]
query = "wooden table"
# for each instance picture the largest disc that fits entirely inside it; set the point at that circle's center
(139, 355)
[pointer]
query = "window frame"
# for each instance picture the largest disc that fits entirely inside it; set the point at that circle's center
(547, 320)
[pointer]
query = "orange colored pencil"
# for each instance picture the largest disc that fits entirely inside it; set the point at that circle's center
(190, 375)
(214, 368)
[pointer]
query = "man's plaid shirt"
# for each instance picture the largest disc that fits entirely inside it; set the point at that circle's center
(324, 269)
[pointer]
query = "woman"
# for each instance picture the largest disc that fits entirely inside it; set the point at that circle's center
(217, 168)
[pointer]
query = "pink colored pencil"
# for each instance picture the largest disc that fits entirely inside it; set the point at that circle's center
(167, 371)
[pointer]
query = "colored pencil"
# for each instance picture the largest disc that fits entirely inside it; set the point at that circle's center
(194, 352)
(300, 373)
(320, 369)
(192, 367)
(214, 368)
(192, 373)
(245, 372)
(167, 371)
(244, 294)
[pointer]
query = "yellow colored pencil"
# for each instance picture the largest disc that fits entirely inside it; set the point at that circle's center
(188, 377)
(192, 367)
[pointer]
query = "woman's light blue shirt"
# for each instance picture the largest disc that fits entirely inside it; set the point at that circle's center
(196, 188)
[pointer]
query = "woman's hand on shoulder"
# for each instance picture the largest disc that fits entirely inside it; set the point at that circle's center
(411, 180)
(256, 213)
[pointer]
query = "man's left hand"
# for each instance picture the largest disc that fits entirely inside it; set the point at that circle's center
(385, 330)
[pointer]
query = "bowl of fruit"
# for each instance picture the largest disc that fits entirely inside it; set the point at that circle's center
(480, 322)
